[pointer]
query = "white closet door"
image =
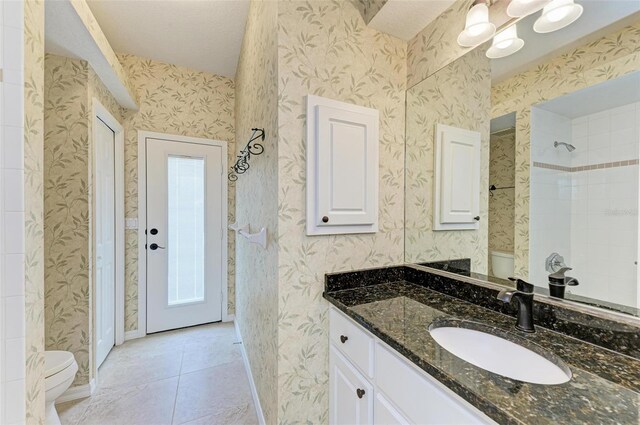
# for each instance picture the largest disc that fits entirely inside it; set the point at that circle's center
(105, 240)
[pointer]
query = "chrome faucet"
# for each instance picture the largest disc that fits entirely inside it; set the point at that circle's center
(524, 295)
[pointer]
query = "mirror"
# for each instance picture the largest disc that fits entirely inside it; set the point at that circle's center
(558, 125)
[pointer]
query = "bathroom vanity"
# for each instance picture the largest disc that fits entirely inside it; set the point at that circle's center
(372, 383)
(385, 366)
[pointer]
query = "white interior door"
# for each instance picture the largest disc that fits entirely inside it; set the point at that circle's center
(105, 240)
(184, 234)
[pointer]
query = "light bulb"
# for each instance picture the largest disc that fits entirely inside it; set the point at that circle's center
(477, 27)
(557, 15)
(521, 8)
(505, 43)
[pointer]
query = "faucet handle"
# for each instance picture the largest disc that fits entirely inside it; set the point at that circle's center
(572, 281)
(522, 286)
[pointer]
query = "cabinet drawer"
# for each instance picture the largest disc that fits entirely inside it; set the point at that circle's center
(421, 399)
(352, 341)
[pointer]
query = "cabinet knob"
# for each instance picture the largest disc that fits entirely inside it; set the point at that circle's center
(476, 218)
(325, 219)
(343, 338)
(360, 392)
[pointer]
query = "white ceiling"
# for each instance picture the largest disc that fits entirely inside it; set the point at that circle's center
(204, 35)
(406, 18)
(607, 95)
(598, 15)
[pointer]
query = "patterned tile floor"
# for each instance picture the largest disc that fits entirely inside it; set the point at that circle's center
(189, 376)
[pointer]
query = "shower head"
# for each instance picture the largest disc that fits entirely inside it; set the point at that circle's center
(569, 147)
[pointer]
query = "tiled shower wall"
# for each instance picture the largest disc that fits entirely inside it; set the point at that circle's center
(584, 204)
(550, 217)
(604, 204)
(12, 298)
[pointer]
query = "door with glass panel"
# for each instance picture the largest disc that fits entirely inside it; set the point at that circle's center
(184, 234)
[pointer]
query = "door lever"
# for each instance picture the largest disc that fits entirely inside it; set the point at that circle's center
(155, 246)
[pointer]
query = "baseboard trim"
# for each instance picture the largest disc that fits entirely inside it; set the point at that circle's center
(133, 335)
(252, 384)
(75, 393)
(229, 318)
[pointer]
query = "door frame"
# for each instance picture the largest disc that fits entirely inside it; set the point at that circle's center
(143, 135)
(103, 114)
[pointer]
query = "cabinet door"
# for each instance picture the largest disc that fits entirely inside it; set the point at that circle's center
(350, 395)
(385, 413)
(457, 168)
(342, 167)
(400, 380)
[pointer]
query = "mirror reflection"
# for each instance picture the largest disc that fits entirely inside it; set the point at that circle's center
(551, 133)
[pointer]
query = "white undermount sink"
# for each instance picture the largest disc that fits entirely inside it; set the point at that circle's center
(499, 355)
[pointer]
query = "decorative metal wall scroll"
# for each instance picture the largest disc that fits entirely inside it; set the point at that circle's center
(252, 148)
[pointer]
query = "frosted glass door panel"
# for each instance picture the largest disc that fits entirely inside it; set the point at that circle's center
(185, 240)
(186, 210)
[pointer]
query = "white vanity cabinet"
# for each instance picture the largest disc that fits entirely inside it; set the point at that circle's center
(370, 383)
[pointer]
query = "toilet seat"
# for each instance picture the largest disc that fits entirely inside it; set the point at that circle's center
(60, 366)
(55, 361)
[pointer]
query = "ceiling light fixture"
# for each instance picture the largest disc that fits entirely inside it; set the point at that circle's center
(557, 15)
(522, 8)
(505, 43)
(477, 27)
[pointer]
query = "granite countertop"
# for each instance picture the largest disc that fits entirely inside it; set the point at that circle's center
(604, 388)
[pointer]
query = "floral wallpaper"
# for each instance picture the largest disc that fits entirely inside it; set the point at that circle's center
(70, 86)
(369, 8)
(436, 46)
(66, 203)
(256, 103)
(33, 207)
(502, 158)
(457, 95)
(82, 9)
(606, 58)
(173, 100)
(325, 48)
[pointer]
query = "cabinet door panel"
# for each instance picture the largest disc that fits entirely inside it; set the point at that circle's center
(346, 161)
(457, 175)
(342, 167)
(384, 413)
(350, 395)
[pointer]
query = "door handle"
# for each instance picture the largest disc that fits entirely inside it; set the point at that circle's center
(155, 246)
(360, 392)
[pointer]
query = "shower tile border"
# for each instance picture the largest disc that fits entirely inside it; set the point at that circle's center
(613, 164)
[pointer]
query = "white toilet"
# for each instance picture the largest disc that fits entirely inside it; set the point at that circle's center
(502, 264)
(60, 370)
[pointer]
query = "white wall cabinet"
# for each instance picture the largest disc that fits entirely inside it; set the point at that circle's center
(395, 392)
(342, 167)
(457, 179)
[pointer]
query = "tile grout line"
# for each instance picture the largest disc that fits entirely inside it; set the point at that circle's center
(175, 398)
